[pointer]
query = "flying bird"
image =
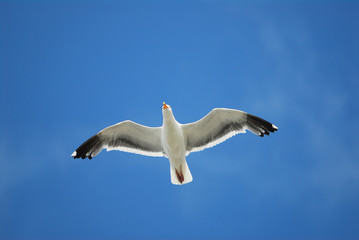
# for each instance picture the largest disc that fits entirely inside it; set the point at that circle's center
(174, 140)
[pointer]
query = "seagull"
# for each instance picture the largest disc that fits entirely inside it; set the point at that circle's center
(174, 140)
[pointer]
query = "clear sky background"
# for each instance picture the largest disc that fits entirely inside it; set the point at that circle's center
(71, 68)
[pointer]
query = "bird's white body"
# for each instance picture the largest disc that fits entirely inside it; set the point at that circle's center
(174, 146)
(174, 140)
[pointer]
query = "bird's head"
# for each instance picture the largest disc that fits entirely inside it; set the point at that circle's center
(166, 106)
(167, 111)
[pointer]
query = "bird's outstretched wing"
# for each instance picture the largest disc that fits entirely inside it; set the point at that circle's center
(125, 136)
(221, 124)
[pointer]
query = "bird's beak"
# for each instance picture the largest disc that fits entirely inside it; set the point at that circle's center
(164, 106)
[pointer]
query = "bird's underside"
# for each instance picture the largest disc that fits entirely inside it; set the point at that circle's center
(174, 140)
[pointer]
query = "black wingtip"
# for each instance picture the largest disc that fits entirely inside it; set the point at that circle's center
(87, 148)
(263, 126)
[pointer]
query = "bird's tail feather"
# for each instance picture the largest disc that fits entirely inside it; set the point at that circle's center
(180, 174)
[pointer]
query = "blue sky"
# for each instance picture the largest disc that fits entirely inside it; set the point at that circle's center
(71, 68)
